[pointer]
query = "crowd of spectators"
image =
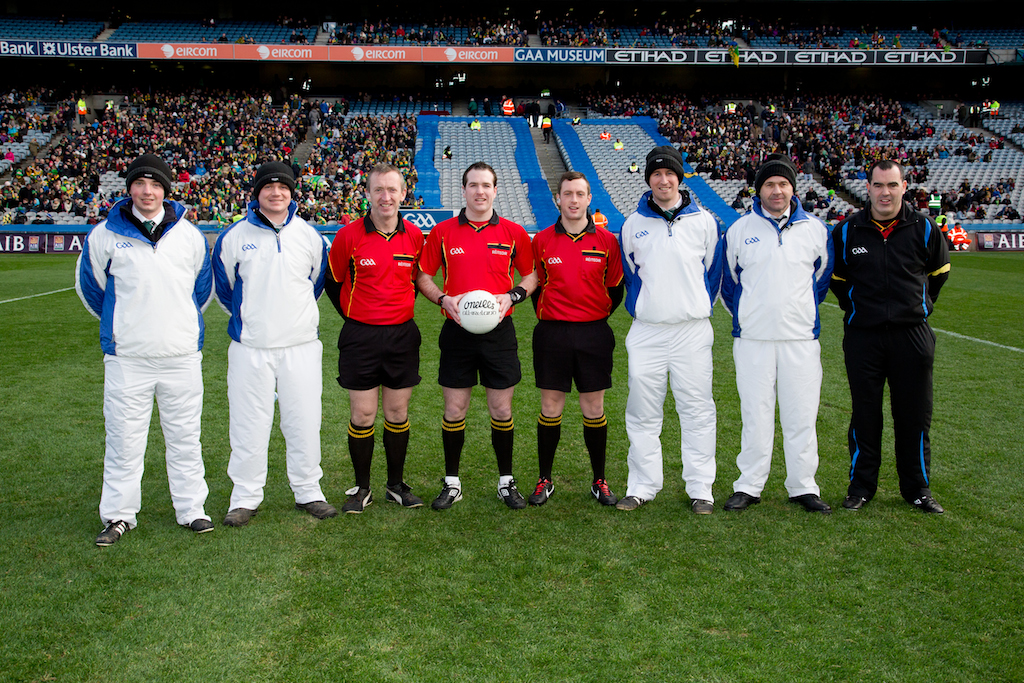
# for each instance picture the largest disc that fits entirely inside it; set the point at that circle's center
(446, 31)
(213, 142)
(602, 32)
(968, 201)
(835, 136)
(21, 111)
(333, 177)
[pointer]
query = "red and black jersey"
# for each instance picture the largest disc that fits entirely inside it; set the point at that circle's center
(574, 273)
(377, 272)
(477, 257)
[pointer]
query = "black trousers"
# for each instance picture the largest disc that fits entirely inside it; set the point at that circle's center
(903, 356)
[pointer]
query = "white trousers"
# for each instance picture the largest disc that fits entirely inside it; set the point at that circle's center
(129, 387)
(794, 367)
(679, 355)
(253, 375)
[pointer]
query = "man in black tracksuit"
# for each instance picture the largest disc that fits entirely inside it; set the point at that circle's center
(890, 263)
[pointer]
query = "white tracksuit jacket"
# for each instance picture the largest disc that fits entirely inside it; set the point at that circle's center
(269, 282)
(773, 283)
(149, 297)
(775, 279)
(672, 274)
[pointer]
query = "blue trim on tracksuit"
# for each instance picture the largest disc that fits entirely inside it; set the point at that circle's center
(634, 281)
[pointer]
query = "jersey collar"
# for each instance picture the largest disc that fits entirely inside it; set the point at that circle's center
(493, 220)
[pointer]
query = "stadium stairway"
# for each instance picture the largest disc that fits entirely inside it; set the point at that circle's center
(537, 189)
(302, 150)
(551, 163)
(429, 184)
(579, 161)
(709, 198)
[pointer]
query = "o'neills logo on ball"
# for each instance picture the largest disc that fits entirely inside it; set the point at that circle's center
(476, 307)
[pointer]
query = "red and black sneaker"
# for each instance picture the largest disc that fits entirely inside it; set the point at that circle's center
(603, 494)
(543, 491)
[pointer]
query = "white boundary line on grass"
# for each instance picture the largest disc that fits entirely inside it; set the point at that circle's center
(32, 296)
(954, 334)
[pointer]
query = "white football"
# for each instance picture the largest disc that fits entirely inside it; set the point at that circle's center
(478, 311)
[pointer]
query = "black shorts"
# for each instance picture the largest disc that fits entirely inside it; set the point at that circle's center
(564, 352)
(494, 355)
(378, 355)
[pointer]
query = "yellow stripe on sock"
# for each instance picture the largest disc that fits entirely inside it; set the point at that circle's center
(453, 426)
(359, 432)
(396, 427)
(502, 426)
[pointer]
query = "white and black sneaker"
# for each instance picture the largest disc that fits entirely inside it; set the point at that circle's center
(511, 496)
(450, 495)
(114, 531)
(358, 500)
(402, 494)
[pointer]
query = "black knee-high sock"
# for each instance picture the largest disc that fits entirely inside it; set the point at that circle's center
(453, 436)
(549, 431)
(396, 446)
(360, 447)
(595, 435)
(502, 434)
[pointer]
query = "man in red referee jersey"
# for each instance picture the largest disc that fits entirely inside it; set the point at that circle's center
(371, 282)
(579, 274)
(477, 250)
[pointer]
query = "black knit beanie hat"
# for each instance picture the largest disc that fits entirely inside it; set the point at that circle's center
(663, 157)
(152, 167)
(273, 172)
(775, 164)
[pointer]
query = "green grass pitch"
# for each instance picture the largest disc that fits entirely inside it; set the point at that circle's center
(566, 592)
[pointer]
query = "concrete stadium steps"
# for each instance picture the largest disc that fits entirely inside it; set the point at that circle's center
(505, 144)
(616, 190)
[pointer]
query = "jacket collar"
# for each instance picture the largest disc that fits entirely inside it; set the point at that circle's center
(121, 221)
(863, 217)
(796, 212)
(256, 217)
(644, 210)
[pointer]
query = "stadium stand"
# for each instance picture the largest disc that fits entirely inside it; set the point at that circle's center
(226, 31)
(506, 145)
(49, 28)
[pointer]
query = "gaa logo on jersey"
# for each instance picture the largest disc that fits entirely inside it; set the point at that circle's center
(554, 261)
(858, 250)
(455, 251)
(640, 234)
(249, 247)
(123, 245)
(367, 262)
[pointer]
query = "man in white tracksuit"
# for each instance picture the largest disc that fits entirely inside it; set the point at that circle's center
(269, 272)
(672, 268)
(778, 264)
(145, 273)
